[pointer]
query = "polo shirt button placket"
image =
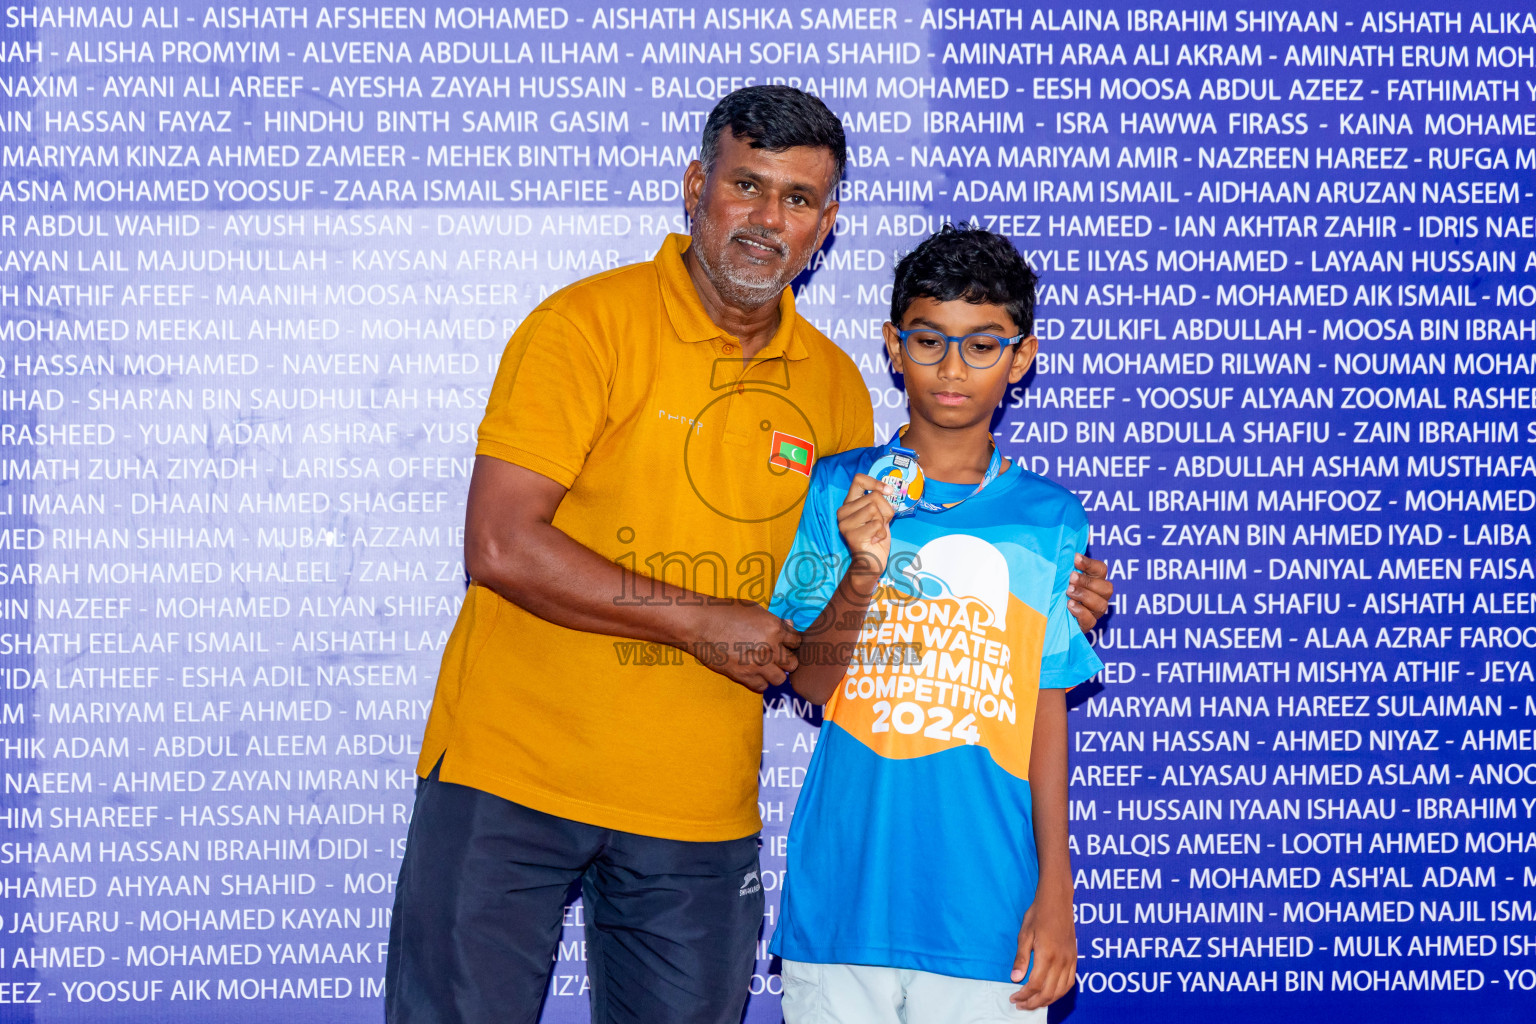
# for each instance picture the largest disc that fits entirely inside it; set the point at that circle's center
(730, 349)
(735, 406)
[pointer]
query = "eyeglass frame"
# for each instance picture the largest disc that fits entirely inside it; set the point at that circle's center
(953, 339)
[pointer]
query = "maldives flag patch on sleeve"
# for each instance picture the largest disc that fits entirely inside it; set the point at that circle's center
(791, 452)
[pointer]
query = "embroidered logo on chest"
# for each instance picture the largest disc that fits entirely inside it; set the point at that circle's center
(786, 451)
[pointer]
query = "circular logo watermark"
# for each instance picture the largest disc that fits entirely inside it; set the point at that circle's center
(756, 422)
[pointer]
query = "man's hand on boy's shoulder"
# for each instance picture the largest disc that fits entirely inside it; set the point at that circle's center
(1089, 591)
(1049, 935)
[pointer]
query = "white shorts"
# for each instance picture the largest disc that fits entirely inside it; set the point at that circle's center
(855, 994)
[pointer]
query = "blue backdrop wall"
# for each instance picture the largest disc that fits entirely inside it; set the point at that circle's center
(259, 263)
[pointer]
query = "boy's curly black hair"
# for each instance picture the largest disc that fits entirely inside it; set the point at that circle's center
(971, 264)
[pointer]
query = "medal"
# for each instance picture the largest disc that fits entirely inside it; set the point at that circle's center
(898, 466)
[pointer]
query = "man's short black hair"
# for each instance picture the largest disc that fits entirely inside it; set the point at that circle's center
(776, 118)
(970, 264)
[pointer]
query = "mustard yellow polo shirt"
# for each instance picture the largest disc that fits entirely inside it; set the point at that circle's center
(683, 462)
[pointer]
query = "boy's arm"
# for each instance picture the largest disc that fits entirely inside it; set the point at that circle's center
(828, 643)
(863, 521)
(1048, 931)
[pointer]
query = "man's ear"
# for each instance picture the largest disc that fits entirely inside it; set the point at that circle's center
(693, 186)
(1023, 356)
(828, 221)
(893, 347)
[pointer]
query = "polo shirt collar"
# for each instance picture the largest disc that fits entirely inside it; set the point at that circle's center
(692, 324)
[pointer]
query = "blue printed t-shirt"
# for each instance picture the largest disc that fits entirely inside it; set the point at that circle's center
(912, 844)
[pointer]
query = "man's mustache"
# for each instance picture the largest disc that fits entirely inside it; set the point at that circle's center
(769, 238)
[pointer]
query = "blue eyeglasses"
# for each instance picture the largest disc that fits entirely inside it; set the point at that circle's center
(926, 347)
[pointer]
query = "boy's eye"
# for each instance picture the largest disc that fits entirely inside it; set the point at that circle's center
(980, 345)
(926, 342)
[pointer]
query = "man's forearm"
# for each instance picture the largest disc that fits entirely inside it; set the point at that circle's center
(512, 546)
(543, 570)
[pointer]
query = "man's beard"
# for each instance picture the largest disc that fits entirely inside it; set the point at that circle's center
(744, 290)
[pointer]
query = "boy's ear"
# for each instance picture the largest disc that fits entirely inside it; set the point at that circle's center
(1023, 356)
(893, 347)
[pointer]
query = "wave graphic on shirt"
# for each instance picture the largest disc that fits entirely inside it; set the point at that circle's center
(967, 569)
(968, 669)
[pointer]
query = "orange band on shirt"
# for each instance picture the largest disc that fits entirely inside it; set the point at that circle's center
(932, 674)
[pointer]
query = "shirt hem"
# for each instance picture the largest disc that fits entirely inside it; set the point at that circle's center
(1072, 675)
(596, 815)
(901, 960)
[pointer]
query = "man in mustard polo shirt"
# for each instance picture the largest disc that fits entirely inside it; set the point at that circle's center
(639, 476)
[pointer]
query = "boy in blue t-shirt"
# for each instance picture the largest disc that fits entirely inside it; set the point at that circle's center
(928, 878)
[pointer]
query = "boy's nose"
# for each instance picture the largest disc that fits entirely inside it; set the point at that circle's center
(953, 364)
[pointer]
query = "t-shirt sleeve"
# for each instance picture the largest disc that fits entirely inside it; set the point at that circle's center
(817, 559)
(550, 400)
(1068, 657)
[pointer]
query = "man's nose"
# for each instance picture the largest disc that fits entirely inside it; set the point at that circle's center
(768, 212)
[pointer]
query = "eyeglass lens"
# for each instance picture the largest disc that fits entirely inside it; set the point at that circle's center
(980, 351)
